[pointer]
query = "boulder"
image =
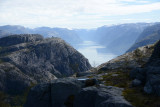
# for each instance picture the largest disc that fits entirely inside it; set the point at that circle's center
(39, 96)
(101, 97)
(69, 92)
(136, 82)
(63, 89)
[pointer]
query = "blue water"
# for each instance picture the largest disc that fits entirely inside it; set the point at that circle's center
(95, 53)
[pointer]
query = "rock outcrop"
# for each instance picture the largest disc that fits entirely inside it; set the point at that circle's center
(130, 60)
(150, 74)
(69, 92)
(29, 59)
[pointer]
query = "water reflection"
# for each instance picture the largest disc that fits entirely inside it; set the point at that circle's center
(93, 52)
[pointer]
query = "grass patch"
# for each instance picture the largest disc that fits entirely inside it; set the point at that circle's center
(138, 98)
(118, 79)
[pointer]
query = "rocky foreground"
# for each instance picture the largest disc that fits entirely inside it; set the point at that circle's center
(69, 92)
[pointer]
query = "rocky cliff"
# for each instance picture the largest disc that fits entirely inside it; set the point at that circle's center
(28, 59)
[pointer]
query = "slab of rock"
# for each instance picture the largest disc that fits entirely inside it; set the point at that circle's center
(101, 97)
(69, 92)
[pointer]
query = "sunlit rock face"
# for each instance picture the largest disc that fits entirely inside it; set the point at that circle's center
(29, 59)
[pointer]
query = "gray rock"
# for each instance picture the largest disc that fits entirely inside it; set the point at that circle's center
(62, 89)
(101, 97)
(130, 60)
(136, 82)
(150, 74)
(69, 92)
(39, 96)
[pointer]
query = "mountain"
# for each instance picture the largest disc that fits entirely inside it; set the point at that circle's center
(28, 59)
(119, 38)
(86, 34)
(16, 29)
(116, 38)
(150, 35)
(4, 33)
(69, 36)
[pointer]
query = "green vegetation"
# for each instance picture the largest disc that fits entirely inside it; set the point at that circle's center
(118, 79)
(135, 95)
(138, 98)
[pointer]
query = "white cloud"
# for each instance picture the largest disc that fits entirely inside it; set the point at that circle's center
(65, 12)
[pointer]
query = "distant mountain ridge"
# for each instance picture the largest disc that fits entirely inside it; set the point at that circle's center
(149, 36)
(68, 35)
(116, 38)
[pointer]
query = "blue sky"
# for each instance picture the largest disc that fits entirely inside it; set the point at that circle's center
(77, 13)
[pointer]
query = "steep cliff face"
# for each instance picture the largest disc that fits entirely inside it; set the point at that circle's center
(29, 59)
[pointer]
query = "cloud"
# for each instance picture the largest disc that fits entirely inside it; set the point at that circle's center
(65, 12)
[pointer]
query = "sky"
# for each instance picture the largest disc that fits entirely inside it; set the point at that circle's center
(77, 13)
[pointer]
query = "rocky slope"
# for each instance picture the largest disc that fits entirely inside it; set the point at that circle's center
(149, 36)
(29, 59)
(130, 60)
(150, 74)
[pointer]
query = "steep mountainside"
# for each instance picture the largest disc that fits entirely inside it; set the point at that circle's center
(29, 59)
(119, 38)
(149, 36)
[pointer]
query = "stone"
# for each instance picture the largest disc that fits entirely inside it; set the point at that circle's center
(101, 97)
(70, 92)
(136, 82)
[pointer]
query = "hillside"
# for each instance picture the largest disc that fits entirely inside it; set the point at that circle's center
(149, 36)
(28, 59)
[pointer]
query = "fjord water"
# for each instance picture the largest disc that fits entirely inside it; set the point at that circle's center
(95, 53)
